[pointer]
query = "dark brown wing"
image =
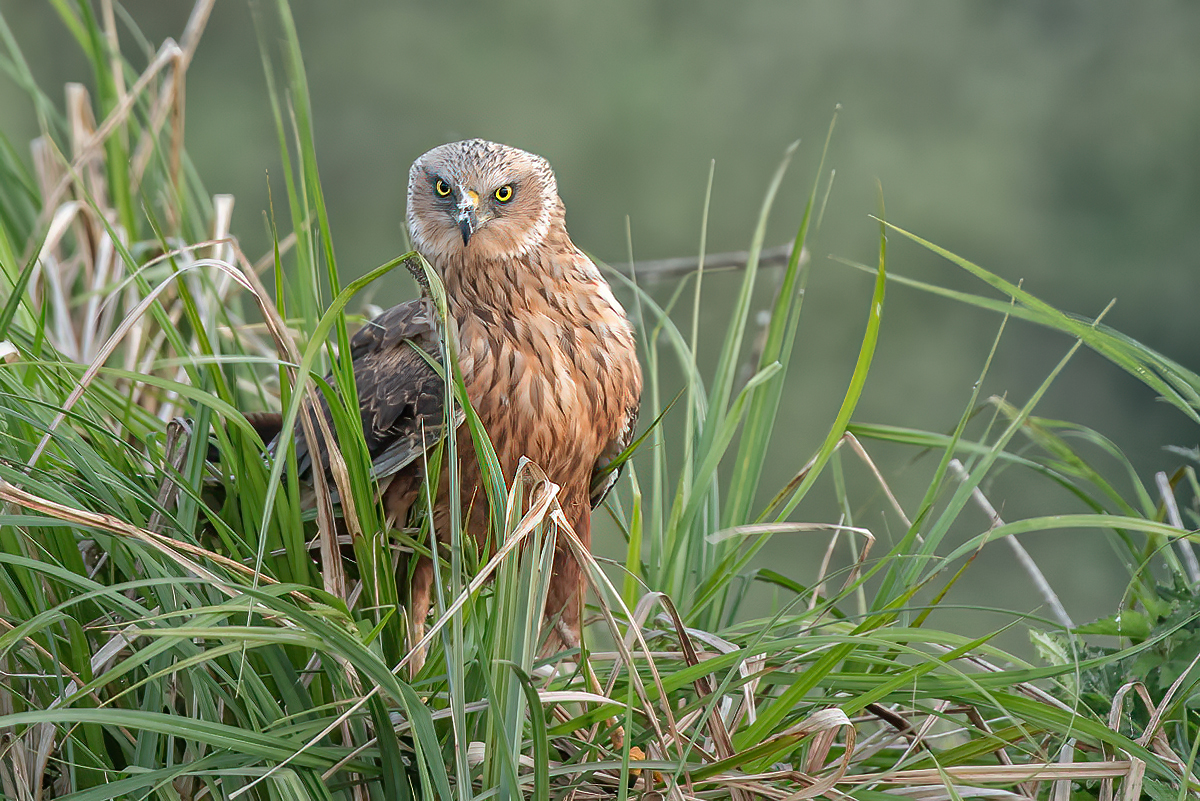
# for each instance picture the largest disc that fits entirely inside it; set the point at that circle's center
(602, 481)
(400, 394)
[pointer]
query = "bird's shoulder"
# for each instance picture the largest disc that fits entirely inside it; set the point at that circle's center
(414, 321)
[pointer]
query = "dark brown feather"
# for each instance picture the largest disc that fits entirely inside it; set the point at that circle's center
(400, 393)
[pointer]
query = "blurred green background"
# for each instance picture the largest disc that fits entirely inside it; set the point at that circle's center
(1056, 143)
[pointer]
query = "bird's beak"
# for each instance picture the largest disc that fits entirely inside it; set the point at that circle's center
(468, 215)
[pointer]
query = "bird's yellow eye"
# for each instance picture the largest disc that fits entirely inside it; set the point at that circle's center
(442, 188)
(504, 193)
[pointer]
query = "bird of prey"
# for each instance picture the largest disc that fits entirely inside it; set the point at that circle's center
(547, 355)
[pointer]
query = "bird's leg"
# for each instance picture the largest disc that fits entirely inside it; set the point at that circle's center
(565, 604)
(398, 496)
(418, 610)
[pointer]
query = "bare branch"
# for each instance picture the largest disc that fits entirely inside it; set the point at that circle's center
(662, 269)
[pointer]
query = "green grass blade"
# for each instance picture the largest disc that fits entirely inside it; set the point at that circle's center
(780, 340)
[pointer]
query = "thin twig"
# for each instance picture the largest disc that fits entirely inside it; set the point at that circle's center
(1031, 568)
(1185, 547)
(663, 269)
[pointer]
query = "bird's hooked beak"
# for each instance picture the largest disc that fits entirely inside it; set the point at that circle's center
(468, 215)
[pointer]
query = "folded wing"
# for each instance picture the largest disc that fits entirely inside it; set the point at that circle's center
(401, 394)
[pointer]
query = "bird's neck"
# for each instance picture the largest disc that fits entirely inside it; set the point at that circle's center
(543, 279)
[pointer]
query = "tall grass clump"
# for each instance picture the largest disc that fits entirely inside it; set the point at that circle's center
(177, 621)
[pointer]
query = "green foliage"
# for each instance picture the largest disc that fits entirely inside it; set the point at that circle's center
(1165, 643)
(177, 625)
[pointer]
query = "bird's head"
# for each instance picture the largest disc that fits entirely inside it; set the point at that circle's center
(481, 199)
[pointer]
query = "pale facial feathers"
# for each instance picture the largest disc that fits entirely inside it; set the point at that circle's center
(481, 200)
